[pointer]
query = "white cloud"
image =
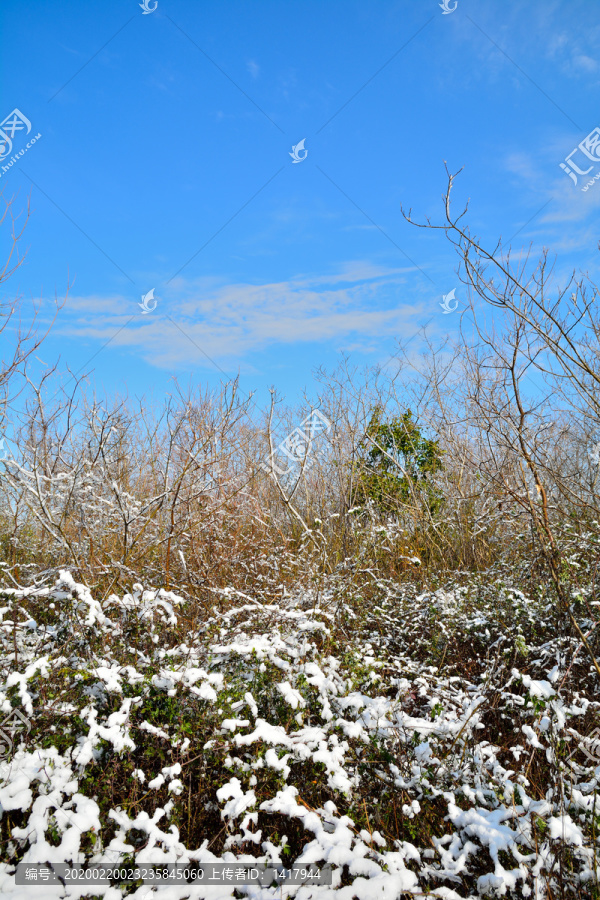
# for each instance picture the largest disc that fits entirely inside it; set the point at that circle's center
(570, 203)
(540, 177)
(358, 305)
(581, 61)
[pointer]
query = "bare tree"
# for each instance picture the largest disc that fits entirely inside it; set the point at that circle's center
(23, 340)
(550, 339)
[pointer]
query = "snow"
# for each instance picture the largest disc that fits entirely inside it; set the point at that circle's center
(536, 688)
(291, 695)
(284, 712)
(565, 828)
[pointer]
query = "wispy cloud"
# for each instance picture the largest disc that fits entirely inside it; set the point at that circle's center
(353, 307)
(539, 177)
(253, 68)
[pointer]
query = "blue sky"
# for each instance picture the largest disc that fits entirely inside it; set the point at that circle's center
(164, 163)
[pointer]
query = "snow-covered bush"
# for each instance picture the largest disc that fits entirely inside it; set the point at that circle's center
(404, 738)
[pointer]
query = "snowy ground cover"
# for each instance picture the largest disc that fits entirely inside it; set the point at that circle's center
(437, 743)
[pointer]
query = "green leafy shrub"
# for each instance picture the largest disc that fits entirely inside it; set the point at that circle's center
(395, 464)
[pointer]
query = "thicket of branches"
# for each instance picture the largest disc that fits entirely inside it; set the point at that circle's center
(439, 523)
(192, 494)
